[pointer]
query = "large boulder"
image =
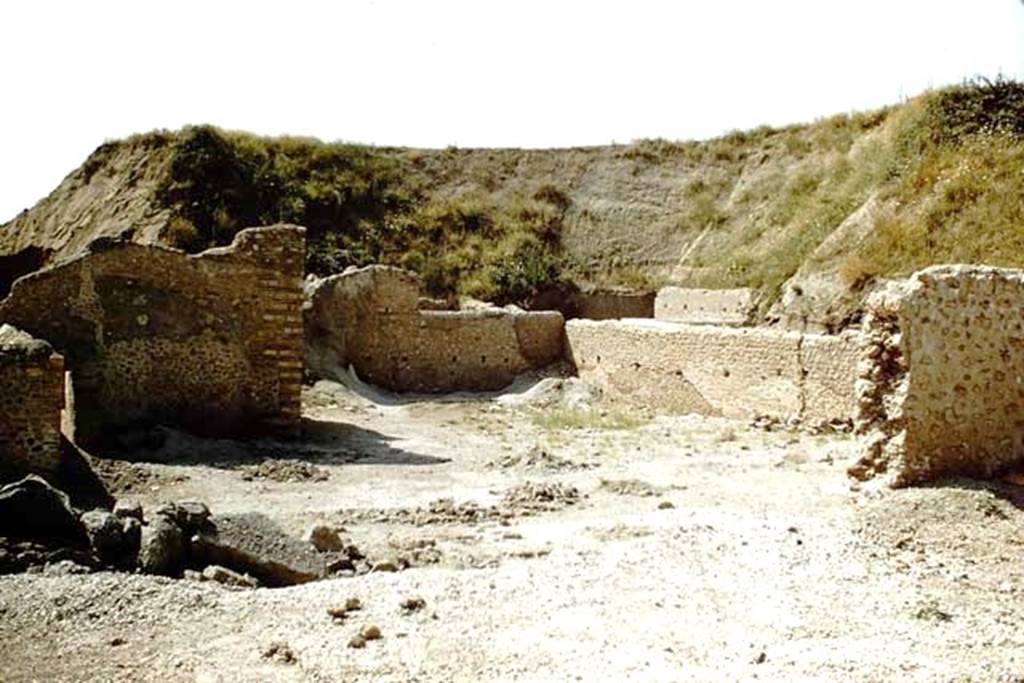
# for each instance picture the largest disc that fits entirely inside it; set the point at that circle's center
(114, 540)
(163, 547)
(252, 544)
(31, 509)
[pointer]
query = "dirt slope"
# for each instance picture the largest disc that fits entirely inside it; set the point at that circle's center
(810, 215)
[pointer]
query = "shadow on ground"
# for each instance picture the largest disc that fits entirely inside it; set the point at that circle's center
(321, 442)
(1012, 493)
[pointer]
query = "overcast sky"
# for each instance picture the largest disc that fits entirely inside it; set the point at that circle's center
(475, 73)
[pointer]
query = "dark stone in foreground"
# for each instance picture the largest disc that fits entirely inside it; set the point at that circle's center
(114, 540)
(252, 544)
(32, 509)
(163, 550)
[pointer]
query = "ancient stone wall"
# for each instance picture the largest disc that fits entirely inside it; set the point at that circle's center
(612, 304)
(704, 306)
(210, 342)
(369, 319)
(31, 399)
(593, 303)
(717, 370)
(941, 387)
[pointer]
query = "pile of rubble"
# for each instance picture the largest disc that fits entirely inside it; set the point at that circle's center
(538, 458)
(525, 500)
(40, 531)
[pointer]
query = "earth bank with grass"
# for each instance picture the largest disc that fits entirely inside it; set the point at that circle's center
(810, 215)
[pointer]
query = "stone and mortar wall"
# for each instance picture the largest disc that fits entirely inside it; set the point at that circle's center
(723, 371)
(210, 342)
(941, 386)
(704, 306)
(594, 303)
(612, 304)
(369, 319)
(31, 399)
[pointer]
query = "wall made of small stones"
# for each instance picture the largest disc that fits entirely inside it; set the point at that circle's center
(369, 319)
(941, 387)
(31, 399)
(709, 370)
(210, 343)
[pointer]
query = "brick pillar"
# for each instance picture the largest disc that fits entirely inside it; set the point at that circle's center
(281, 258)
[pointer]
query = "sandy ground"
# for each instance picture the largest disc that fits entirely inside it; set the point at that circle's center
(698, 550)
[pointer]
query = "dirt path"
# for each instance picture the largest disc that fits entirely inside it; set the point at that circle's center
(698, 549)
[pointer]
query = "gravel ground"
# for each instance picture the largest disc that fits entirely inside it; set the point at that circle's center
(696, 549)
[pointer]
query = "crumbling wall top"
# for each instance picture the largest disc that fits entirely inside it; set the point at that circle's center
(18, 346)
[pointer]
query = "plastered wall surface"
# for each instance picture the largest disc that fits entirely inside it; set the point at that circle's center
(31, 399)
(369, 319)
(210, 342)
(704, 306)
(941, 386)
(710, 370)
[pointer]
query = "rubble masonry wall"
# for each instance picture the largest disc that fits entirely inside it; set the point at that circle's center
(723, 371)
(941, 387)
(210, 342)
(704, 306)
(368, 318)
(614, 304)
(31, 399)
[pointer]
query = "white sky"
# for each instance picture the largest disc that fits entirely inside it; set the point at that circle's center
(522, 73)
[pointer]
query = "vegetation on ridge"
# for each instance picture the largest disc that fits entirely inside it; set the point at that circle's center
(935, 179)
(360, 206)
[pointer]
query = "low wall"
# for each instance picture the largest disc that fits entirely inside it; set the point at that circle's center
(941, 388)
(718, 370)
(31, 399)
(614, 304)
(594, 304)
(210, 343)
(369, 319)
(704, 306)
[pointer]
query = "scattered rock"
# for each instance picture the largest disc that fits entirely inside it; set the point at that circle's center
(325, 538)
(279, 651)
(538, 458)
(413, 604)
(128, 509)
(531, 554)
(340, 612)
(630, 487)
(163, 548)
(19, 556)
(285, 471)
(227, 577)
(526, 499)
(931, 611)
(357, 642)
(370, 632)
(666, 505)
(253, 544)
(31, 509)
(541, 496)
(65, 568)
(386, 566)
